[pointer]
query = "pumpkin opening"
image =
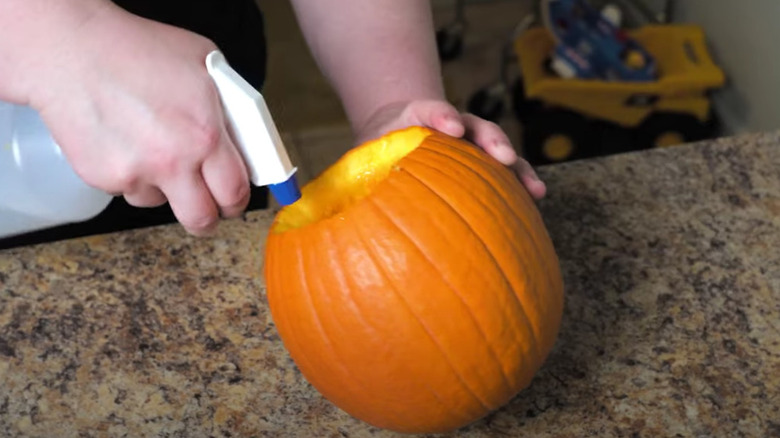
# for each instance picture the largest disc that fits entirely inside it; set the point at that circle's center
(353, 177)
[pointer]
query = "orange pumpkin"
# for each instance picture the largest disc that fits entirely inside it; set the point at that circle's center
(414, 284)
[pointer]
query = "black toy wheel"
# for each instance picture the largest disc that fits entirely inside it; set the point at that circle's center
(522, 106)
(487, 103)
(555, 136)
(664, 130)
(449, 41)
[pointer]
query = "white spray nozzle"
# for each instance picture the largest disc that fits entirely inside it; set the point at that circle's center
(254, 132)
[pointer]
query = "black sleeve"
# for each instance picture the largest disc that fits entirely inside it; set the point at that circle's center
(235, 26)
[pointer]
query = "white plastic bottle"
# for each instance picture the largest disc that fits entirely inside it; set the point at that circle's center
(38, 187)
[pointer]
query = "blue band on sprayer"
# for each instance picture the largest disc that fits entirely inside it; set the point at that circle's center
(286, 192)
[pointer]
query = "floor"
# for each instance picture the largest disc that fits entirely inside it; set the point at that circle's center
(308, 112)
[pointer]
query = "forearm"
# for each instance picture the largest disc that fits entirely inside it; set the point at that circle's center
(32, 32)
(374, 52)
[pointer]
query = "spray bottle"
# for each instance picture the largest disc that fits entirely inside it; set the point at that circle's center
(39, 189)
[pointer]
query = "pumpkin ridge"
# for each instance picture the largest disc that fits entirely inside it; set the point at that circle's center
(535, 331)
(304, 360)
(462, 155)
(542, 243)
(371, 252)
(276, 306)
(427, 331)
(307, 287)
(336, 271)
(449, 285)
(280, 312)
(497, 170)
(480, 329)
(492, 256)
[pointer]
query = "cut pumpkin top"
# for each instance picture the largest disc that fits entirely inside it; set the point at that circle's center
(353, 177)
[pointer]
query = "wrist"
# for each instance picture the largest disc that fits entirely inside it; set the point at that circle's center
(34, 35)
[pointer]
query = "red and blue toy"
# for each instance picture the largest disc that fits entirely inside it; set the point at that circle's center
(591, 46)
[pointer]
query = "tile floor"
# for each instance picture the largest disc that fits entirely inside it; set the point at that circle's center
(308, 112)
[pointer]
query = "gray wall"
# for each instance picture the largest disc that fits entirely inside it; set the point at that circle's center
(744, 38)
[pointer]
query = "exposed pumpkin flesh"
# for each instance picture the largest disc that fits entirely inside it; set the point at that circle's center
(350, 179)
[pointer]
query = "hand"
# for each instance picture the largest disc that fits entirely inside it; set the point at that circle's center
(443, 117)
(134, 110)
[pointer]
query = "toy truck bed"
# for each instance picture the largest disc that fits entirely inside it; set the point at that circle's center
(686, 73)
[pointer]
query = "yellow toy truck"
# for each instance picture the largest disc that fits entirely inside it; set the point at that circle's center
(565, 119)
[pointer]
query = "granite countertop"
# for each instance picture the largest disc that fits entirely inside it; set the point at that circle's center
(671, 327)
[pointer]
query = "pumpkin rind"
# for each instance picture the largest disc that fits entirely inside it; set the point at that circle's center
(429, 302)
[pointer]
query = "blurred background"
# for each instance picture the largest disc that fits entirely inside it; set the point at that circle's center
(478, 42)
(566, 79)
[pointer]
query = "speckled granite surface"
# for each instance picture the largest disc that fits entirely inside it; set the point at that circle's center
(671, 329)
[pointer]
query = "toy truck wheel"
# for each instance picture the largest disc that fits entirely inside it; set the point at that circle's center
(665, 130)
(555, 136)
(449, 42)
(523, 106)
(487, 103)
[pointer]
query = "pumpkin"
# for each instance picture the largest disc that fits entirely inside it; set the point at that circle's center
(414, 284)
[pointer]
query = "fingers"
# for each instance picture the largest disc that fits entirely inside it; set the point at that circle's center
(200, 197)
(201, 175)
(491, 138)
(192, 203)
(438, 115)
(495, 142)
(147, 196)
(527, 175)
(201, 194)
(443, 117)
(227, 178)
